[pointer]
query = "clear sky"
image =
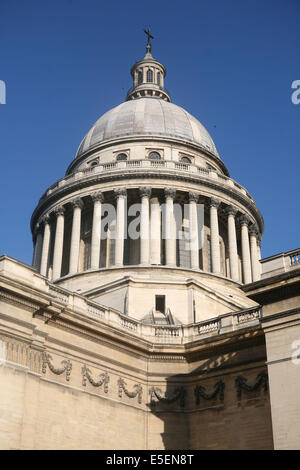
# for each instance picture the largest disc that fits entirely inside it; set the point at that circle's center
(230, 63)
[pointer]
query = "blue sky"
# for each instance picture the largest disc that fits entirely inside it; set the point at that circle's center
(230, 64)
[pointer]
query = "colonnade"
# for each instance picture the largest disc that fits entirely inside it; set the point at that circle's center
(151, 228)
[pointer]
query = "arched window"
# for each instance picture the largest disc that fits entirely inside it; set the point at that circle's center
(186, 160)
(158, 78)
(149, 76)
(121, 156)
(93, 163)
(154, 156)
(140, 77)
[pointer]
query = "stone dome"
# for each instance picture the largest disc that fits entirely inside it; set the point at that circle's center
(147, 117)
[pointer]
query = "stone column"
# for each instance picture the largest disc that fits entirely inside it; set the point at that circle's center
(145, 193)
(58, 242)
(96, 230)
(155, 232)
(46, 244)
(214, 236)
(259, 253)
(169, 229)
(193, 230)
(75, 236)
(232, 244)
(253, 232)
(36, 262)
(246, 262)
(120, 195)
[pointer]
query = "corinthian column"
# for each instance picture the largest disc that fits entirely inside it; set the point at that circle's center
(246, 262)
(155, 232)
(120, 194)
(46, 244)
(214, 236)
(75, 236)
(37, 248)
(193, 230)
(96, 230)
(58, 242)
(169, 231)
(253, 232)
(233, 254)
(145, 193)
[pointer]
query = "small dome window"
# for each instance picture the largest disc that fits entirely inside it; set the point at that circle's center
(93, 163)
(149, 76)
(140, 77)
(185, 160)
(154, 156)
(121, 156)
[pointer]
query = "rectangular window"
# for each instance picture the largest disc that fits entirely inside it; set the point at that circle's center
(160, 301)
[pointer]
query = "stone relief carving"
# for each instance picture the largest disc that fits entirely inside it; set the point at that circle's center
(138, 390)
(103, 379)
(66, 366)
(157, 396)
(218, 392)
(241, 385)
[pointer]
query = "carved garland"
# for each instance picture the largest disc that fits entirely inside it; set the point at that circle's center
(103, 379)
(156, 393)
(261, 382)
(200, 392)
(66, 366)
(137, 387)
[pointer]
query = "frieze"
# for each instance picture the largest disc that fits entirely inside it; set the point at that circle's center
(138, 390)
(103, 379)
(66, 366)
(156, 396)
(261, 382)
(218, 392)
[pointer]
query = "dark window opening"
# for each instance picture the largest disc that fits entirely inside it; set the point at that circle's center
(160, 303)
(121, 156)
(149, 76)
(154, 156)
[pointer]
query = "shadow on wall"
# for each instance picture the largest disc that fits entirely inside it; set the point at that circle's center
(223, 403)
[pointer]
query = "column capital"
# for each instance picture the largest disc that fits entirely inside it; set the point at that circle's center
(60, 210)
(77, 202)
(214, 202)
(145, 191)
(120, 192)
(45, 219)
(244, 220)
(97, 196)
(231, 210)
(170, 193)
(253, 230)
(193, 197)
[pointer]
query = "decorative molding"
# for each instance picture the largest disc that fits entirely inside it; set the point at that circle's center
(157, 397)
(45, 219)
(137, 387)
(145, 191)
(218, 391)
(65, 367)
(241, 385)
(103, 379)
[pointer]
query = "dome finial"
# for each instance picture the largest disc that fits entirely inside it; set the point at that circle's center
(149, 38)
